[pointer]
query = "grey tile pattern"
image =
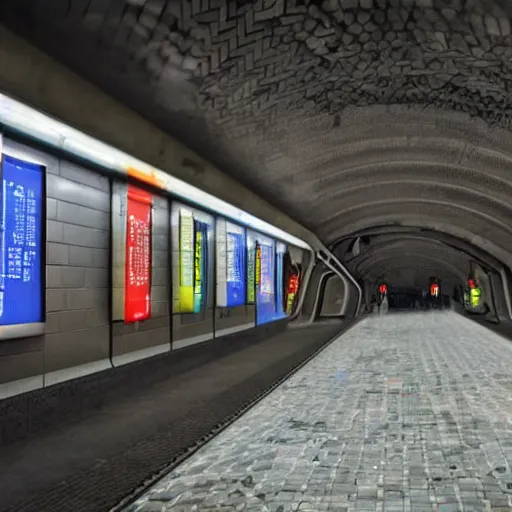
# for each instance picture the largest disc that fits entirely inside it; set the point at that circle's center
(404, 413)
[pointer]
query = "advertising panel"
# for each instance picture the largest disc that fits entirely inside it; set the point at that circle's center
(186, 244)
(137, 301)
(21, 243)
(221, 262)
(235, 281)
(200, 264)
(265, 281)
(280, 284)
(293, 288)
(252, 252)
(231, 264)
(195, 238)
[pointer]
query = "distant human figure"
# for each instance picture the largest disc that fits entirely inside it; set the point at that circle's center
(384, 306)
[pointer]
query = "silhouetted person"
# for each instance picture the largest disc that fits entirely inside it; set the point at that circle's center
(384, 306)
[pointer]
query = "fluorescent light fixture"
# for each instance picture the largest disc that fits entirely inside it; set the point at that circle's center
(34, 124)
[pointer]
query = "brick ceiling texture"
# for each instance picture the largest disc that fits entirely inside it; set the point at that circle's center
(385, 117)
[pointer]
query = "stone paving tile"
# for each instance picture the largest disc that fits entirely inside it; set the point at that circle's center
(404, 413)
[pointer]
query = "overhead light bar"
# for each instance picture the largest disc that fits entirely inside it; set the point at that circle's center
(31, 123)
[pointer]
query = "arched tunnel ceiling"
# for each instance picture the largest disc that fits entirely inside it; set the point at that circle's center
(389, 257)
(348, 114)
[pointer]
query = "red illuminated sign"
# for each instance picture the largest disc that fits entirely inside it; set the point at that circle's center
(293, 287)
(383, 288)
(137, 300)
(434, 290)
(293, 284)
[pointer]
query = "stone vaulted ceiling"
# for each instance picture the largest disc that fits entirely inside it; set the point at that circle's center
(348, 114)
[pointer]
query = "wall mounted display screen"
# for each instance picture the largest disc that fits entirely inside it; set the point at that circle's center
(265, 282)
(291, 292)
(231, 264)
(235, 279)
(186, 290)
(200, 264)
(138, 256)
(21, 243)
(251, 273)
(193, 265)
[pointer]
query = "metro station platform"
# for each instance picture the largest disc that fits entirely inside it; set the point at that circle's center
(407, 412)
(92, 462)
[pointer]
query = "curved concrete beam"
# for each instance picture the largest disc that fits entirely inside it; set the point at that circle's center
(402, 244)
(469, 207)
(409, 232)
(375, 266)
(439, 216)
(399, 248)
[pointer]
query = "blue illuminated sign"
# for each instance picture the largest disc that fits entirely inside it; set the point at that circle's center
(235, 285)
(266, 299)
(21, 300)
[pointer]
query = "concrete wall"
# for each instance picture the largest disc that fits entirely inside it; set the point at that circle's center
(77, 278)
(80, 337)
(312, 294)
(333, 296)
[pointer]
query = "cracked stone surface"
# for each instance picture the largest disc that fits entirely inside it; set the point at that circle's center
(402, 413)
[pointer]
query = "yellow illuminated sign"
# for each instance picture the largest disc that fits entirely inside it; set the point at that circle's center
(258, 267)
(476, 297)
(251, 280)
(186, 290)
(198, 271)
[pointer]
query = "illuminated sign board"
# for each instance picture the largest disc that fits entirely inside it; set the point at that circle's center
(201, 240)
(137, 301)
(235, 282)
(293, 287)
(265, 276)
(258, 268)
(434, 290)
(251, 275)
(21, 244)
(383, 289)
(186, 246)
(231, 264)
(235, 278)
(476, 297)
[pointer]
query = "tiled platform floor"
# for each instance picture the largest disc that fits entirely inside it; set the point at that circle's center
(403, 413)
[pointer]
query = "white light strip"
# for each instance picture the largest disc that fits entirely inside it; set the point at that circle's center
(30, 122)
